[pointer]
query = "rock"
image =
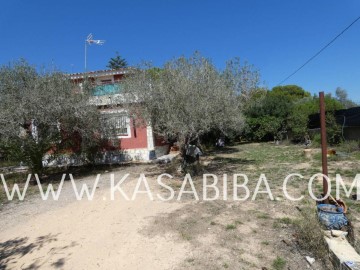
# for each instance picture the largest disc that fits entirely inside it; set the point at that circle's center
(337, 233)
(310, 260)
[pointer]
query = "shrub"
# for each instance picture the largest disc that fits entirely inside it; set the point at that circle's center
(349, 146)
(279, 263)
(316, 140)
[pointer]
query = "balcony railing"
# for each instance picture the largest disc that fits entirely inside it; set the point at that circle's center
(107, 89)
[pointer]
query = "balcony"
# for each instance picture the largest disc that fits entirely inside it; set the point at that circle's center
(107, 89)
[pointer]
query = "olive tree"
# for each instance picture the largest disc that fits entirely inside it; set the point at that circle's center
(244, 80)
(342, 96)
(41, 113)
(189, 97)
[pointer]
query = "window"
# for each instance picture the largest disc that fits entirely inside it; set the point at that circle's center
(119, 123)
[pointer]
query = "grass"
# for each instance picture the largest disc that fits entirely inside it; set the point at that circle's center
(280, 222)
(8, 163)
(349, 146)
(263, 216)
(309, 233)
(230, 227)
(279, 263)
(225, 265)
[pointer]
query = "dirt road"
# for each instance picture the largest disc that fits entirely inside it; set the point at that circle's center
(98, 234)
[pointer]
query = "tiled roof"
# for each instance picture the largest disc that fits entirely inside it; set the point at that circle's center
(99, 73)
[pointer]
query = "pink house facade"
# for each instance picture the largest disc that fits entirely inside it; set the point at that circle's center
(136, 143)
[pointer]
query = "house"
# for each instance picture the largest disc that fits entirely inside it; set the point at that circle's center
(135, 142)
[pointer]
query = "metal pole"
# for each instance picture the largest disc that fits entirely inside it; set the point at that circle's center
(85, 55)
(323, 144)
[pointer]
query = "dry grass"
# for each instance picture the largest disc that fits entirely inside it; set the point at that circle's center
(309, 234)
(260, 234)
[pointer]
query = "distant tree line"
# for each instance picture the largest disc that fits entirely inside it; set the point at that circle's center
(283, 112)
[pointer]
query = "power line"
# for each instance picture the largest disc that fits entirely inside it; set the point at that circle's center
(322, 49)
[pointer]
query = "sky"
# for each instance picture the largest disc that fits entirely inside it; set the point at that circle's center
(276, 36)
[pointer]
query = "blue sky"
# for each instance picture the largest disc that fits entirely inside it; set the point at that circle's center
(276, 36)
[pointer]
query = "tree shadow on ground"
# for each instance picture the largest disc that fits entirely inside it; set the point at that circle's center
(217, 165)
(227, 164)
(223, 150)
(12, 249)
(54, 174)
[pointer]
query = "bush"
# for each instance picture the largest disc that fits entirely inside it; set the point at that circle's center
(316, 140)
(349, 146)
(333, 130)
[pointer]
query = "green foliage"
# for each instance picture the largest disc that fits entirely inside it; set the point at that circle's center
(230, 227)
(299, 117)
(279, 263)
(285, 109)
(263, 128)
(273, 105)
(154, 72)
(29, 152)
(243, 78)
(331, 104)
(267, 118)
(302, 109)
(316, 140)
(333, 130)
(40, 112)
(293, 92)
(349, 146)
(117, 62)
(189, 97)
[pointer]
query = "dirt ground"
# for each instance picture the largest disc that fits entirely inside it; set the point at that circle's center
(98, 234)
(153, 234)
